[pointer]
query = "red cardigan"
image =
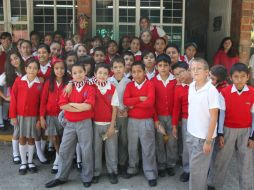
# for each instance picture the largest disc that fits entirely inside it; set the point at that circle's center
(221, 58)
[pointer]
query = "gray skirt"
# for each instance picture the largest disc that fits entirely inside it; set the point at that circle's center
(53, 126)
(27, 127)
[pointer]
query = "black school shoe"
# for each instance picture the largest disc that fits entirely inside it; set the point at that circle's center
(152, 183)
(95, 179)
(23, 171)
(32, 168)
(210, 187)
(87, 184)
(113, 178)
(16, 159)
(161, 173)
(184, 177)
(54, 183)
(171, 171)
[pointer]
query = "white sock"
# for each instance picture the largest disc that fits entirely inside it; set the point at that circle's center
(43, 145)
(30, 153)
(1, 115)
(78, 152)
(15, 148)
(39, 152)
(56, 159)
(22, 150)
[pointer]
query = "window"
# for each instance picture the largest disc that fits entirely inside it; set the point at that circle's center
(1, 11)
(18, 10)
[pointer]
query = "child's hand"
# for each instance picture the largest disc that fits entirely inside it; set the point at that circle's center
(221, 141)
(174, 132)
(160, 128)
(7, 98)
(207, 147)
(250, 143)
(68, 89)
(110, 131)
(38, 124)
(43, 123)
(143, 98)
(14, 122)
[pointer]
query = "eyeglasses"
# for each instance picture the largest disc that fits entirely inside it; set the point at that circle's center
(198, 69)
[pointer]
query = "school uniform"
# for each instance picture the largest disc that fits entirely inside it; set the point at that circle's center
(180, 112)
(106, 97)
(164, 93)
(24, 105)
(236, 119)
(200, 102)
(78, 129)
(121, 122)
(45, 71)
(151, 75)
(141, 127)
(137, 55)
(50, 109)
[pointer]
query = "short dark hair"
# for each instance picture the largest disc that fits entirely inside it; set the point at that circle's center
(25, 41)
(138, 63)
(163, 57)
(99, 49)
(173, 46)
(161, 38)
(220, 72)
(189, 44)
(180, 64)
(45, 46)
(6, 35)
(32, 60)
(239, 67)
(78, 65)
(117, 59)
(112, 42)
(146, 52)
(32, 33)
(102, 65)
(129, 53)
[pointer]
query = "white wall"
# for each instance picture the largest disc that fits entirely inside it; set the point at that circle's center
(218, 8)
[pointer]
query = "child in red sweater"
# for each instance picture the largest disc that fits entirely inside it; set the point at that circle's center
(148, 58)
(164, 84)
(24, 112)
(218, 75)
(49, 108)
(235, 130)
(78, 111)
(180, 111)
(139, 96)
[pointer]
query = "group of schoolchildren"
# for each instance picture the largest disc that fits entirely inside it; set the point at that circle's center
(135, 107)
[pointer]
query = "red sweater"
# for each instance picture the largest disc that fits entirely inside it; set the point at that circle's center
(86, 95)
(46, 75)
(238, 108)
(164, 97)
(2, 62)
(103, 107)
(221, 58)
(180, 103)
(131, 98)
(25, 101)
(49, 100)
(221, 85)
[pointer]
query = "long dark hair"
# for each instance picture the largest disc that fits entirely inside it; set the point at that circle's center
(10, 70)
(83, 60)
(52, 77)
(232, 51)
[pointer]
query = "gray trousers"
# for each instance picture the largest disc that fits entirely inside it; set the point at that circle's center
(110, 150)
(234, 139)
(166, 153)
(199, 163)
(81, 132)
(121, 125)
(143, 130)
(185, 155)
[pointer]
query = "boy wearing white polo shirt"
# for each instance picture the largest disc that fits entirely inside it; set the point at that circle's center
(203, 108)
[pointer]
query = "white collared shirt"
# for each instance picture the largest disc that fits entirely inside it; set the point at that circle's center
(127, 75)
(187, 61)
(45, 68)
(200, 102)
(165, 83)
(3, 78)
(30, 84)
(150, 75)
(139, 86)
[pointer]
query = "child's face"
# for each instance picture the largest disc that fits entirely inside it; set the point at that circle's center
(26, 49)
(48, 40)
(190, 52)
(59, 69)
(198, 72)
(96, 43)
(126, 43)
(78, 73)
(112, 49)
(6, 42)
(43, 56)
(144, 24)
(182, 75)
(138, 74)
(77, 39)
(227, 45)
(129, 60)
(173, 53)
(35, 40)
(149, 60)
(213, 78)
(163, 68)
(99, 57)
(81, 51)
(70, 60)
(15, 60)
(58, 37)
(135, 46)
(118, 69)
(239, 79)
(32, 70)
(146, 37)
(55, 49)
(159, 46)
(88, 68)
(102, 74)
(68, 46)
